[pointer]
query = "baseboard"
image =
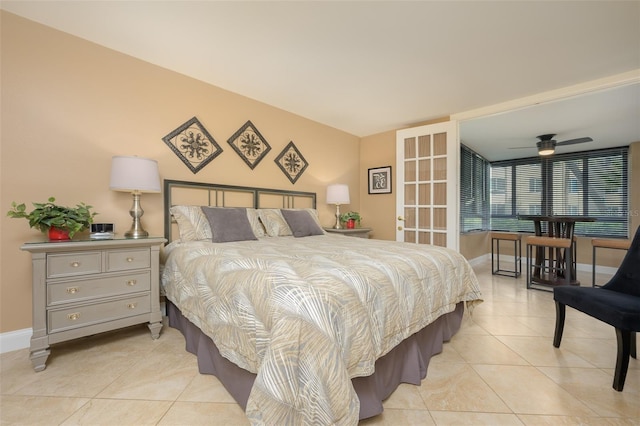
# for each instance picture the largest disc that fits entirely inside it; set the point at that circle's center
(583, 267)
(15, 340)
(479, 260)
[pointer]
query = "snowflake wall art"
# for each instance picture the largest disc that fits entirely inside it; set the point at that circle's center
(250, 145)
(193, 144)
(291, 162)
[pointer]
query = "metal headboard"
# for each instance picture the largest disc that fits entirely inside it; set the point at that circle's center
(211, 194)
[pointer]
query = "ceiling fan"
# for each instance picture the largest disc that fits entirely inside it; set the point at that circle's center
(547, 145)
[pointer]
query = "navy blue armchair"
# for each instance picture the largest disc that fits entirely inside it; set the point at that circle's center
(617, 303)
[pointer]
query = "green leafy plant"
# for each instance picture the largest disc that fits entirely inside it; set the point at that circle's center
(344, 217)
(49, 215)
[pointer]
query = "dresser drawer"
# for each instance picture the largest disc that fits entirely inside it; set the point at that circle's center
(72, 291)
(70, 264)
(125, 260)
(80, 316)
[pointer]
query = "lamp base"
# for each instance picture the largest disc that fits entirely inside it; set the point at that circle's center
(136, 212)
(136, 233)
(337, 225)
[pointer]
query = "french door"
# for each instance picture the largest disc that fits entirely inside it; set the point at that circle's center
(427, 185)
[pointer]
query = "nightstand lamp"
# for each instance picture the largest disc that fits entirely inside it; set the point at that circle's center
(135, 175)
(338, 194)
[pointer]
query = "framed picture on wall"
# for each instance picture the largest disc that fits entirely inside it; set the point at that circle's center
(380, 180)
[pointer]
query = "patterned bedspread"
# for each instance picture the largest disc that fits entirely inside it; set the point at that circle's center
(308, 314)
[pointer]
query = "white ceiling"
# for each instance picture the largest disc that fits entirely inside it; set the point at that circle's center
(368, 67)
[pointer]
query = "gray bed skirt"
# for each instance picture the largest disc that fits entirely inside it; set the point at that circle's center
(406, 363)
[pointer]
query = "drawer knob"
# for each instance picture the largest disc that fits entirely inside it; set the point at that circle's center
(129, 259)
(131, 283)
(75, 264)
(132, 305)
(72, 290)
(74, 316)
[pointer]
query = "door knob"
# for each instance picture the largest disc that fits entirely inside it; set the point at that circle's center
(400, 218)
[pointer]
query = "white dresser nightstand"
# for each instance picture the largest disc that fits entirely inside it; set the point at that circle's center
(84, 287)
(354, 232)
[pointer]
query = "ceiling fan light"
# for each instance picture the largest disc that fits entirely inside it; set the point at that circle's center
(546, 147)
(544, 151)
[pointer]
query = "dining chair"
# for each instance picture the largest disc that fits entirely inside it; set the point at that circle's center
(605, 243)
(617, 303)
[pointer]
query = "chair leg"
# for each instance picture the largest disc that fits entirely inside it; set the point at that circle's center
(519, 257)
(633, 345)
(568, 266)
(593, 267)
(560, 314)
(622, 363)
(493, 268)
(528, 279)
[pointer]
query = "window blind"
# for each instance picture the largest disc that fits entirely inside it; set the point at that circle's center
(474, 191)
(588, 183)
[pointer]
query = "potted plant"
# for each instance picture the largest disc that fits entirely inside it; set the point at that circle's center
(351, 219)
(61, 223)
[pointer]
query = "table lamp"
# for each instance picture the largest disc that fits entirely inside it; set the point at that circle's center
(338, 194)
(135, 175)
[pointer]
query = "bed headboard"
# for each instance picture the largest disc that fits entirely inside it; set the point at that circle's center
(177, 192)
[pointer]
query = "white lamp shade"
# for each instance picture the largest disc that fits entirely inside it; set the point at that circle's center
(338, 194)
(133, 174)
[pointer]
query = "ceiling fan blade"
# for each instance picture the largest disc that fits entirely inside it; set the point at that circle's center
(574, 141)
(521, 147)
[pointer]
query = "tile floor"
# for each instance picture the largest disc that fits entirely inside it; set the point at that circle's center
(500, 369)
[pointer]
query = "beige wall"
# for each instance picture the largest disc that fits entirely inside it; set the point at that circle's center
(68, 106)
(378, 210)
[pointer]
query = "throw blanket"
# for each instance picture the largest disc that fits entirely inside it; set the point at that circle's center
(308, 314)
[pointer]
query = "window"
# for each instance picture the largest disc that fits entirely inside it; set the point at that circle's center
(535, 184)
(474, 191)
(590, 183)
(573, 186)
(498, 185)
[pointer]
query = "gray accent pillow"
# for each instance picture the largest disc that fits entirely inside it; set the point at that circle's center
(301, 223)
(229, 224)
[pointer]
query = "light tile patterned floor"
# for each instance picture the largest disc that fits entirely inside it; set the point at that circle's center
(500, 369)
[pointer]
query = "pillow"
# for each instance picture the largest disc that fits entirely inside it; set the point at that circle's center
(256, 225)
(274, 223)
(229, 224)
(192, 223)
(301, 223)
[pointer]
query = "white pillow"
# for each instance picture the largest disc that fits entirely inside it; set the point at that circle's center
(274, 223)
(192, 223)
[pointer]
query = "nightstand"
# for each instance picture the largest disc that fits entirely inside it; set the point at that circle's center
(84, 287)
(355, 232)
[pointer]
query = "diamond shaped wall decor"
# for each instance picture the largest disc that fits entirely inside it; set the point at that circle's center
(250, 145)
(193, 144)
(291, 162)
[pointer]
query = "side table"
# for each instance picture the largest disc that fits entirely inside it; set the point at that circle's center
(84, 287)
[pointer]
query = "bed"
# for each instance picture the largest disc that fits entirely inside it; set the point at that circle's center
(301, 326)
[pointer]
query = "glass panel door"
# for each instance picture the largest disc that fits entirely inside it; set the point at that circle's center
(427, 185)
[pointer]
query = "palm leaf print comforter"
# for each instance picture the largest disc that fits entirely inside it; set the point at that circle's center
(308, 314)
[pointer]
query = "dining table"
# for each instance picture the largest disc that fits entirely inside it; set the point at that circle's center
(556, 226)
